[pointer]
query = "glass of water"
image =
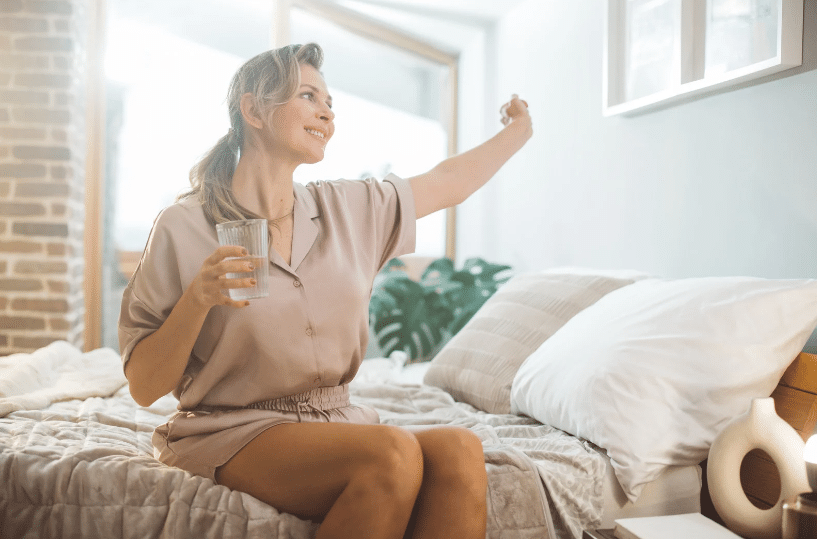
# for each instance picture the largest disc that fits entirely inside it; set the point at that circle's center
(253, 236)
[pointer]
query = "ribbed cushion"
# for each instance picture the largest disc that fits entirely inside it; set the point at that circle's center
(478, 364)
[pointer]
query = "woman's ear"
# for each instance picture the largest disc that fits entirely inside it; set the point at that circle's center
(250, 112)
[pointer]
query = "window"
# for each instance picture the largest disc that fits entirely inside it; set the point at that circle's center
(166, 83)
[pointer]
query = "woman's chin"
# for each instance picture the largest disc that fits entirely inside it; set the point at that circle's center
(313, 158)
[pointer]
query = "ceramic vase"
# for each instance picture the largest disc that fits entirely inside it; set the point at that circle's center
(760, 428)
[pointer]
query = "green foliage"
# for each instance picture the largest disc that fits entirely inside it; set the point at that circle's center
(420, 317)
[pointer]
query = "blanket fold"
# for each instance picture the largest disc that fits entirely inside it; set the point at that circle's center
(57, 372)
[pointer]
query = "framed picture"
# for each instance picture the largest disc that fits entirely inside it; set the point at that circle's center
(661, 51)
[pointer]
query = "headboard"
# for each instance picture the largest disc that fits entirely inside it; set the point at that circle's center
(795, 399)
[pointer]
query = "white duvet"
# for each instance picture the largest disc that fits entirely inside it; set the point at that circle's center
(76, 460)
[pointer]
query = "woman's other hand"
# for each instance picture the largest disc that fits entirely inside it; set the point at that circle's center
(209, 286)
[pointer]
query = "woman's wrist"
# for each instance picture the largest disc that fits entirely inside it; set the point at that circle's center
(520, 130)
(193, 302)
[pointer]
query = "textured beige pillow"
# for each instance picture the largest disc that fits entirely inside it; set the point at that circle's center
(478, 364)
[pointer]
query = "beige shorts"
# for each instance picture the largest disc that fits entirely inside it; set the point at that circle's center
(202, 440)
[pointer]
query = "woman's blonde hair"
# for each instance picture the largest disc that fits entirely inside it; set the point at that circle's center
(273, 77)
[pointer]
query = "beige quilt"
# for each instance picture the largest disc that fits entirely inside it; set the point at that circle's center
(76, 461)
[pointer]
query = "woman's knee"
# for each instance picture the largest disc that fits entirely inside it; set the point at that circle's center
(395, 464)
(456, 457)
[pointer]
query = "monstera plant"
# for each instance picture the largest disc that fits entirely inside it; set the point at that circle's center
(419, 317)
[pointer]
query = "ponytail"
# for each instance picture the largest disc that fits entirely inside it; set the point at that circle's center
(212, 182)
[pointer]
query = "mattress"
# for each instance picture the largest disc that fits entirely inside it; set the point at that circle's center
(677, 490)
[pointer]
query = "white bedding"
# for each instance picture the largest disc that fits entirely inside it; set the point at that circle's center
(83, 466)
(33, 381)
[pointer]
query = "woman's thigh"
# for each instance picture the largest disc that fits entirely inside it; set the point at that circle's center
(302, 468)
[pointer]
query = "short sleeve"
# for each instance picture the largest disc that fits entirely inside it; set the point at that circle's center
(396, 216)
(153, 290)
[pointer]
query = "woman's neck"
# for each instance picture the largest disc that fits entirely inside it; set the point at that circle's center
(264, 185)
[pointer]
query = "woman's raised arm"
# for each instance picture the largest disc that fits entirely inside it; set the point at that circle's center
(456, 178)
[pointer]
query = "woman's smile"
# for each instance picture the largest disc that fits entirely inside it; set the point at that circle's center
(320, 134)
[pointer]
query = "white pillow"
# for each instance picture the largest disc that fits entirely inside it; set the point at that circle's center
(652, 371)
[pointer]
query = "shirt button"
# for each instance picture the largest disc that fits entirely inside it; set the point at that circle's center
(309, 331)
(297, 283)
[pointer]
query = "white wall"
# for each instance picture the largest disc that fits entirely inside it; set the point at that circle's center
(724, 184)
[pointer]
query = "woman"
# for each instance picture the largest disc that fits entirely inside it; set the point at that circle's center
(262, 386)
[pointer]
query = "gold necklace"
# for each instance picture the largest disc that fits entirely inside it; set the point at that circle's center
(273, 223)
(283, 216)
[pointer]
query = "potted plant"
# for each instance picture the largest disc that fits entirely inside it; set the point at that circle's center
(419, 317)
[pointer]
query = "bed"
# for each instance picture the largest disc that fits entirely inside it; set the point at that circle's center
(76, 460)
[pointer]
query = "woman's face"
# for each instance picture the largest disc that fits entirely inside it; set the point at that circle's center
(302, 126)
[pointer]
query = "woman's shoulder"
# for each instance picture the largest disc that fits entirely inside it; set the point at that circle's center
(323, 189)
(187, 209)
(180, 217)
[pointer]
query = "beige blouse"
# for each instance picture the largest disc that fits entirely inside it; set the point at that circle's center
(312, 330)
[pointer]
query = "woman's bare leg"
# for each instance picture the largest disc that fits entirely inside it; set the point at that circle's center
(451, 502)
(360, 480)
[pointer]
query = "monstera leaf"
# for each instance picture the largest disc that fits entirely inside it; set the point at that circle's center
(405, 316)
(420, 317)
(480, 279)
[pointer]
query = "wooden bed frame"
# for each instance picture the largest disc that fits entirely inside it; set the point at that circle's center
(795, 399)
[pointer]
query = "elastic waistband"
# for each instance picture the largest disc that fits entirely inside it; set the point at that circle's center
(321, 398)
(314, 400)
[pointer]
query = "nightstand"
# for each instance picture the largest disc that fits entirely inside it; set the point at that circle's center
(681, 526)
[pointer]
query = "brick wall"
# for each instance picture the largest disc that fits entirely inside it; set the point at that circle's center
(42, 172)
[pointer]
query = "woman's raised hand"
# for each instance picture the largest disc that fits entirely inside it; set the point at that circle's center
(209, 286)
(513, 110)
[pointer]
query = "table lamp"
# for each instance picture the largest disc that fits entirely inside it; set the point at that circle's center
(800, 514)
(810, 455)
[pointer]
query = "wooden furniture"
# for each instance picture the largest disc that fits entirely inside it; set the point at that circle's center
(795, 399)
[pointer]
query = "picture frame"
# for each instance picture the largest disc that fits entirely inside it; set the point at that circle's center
(657, 52)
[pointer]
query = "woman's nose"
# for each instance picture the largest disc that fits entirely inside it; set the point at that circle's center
(326, 114)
